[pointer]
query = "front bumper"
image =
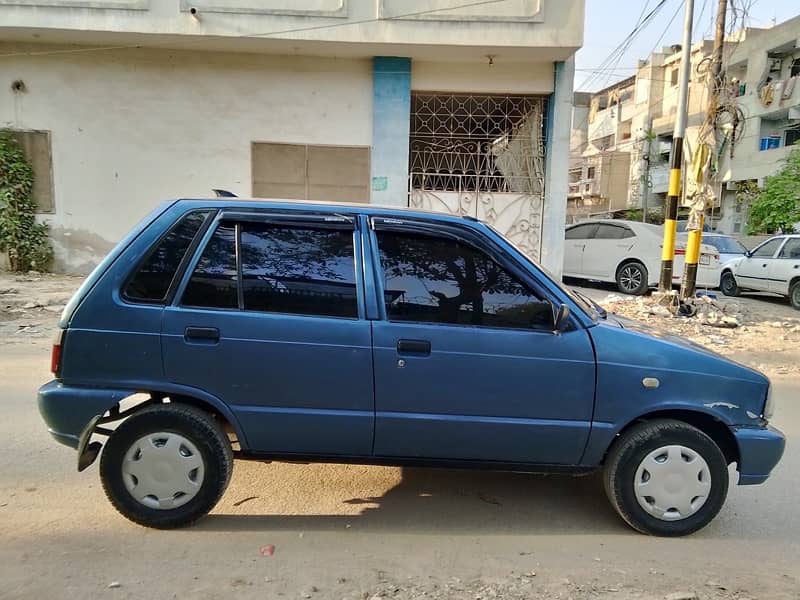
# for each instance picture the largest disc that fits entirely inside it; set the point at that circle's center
(759, 452)
(67, 410)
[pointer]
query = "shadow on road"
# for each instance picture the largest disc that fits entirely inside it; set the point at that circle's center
(459, 502)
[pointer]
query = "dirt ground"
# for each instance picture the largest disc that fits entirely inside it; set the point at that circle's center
(356, 532)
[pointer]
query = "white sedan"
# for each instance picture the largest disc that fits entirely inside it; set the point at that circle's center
(628, 253)
(774, 266)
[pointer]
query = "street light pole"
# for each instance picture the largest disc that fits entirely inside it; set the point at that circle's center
(676, 158)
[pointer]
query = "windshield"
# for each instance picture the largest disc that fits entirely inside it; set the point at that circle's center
(728, 245)
(587, 305)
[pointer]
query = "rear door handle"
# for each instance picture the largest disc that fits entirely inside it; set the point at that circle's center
(202, 334)
(414, 347)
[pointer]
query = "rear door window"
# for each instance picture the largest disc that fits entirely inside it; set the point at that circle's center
(214, 282)
(154, 276)
(612, 232)
(298, 271)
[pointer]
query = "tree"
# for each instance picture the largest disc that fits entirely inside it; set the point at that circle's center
(778, 205)
(21, 236)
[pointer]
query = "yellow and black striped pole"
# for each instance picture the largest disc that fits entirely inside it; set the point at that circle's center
(671, 215)
(676, 158)
(689, 282)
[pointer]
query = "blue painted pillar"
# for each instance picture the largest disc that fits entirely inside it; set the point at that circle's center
(391, 117)
(556, 164)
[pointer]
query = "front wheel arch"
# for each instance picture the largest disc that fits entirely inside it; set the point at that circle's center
(708, 424)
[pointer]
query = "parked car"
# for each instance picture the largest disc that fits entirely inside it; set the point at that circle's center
(275, 330)
(773, 266)
(682, 225)
(727, 246)
(628, 253)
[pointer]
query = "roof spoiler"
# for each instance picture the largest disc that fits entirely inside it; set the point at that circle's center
(224, 194)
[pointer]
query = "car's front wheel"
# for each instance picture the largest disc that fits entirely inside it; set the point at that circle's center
(666, 477)
(166, 466)
(728, 284)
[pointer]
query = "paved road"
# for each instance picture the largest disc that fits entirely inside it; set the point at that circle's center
(346, 531)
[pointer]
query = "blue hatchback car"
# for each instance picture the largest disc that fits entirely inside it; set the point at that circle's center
(274, 330)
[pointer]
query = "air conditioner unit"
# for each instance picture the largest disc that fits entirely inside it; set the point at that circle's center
(731, 186)
(762, 183)
(775, 64)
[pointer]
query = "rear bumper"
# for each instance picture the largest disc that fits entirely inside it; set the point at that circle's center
(759, 452)
(67, 410)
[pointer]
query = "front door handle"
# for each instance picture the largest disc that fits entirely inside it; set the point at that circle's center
(414, 347)
(764, 265)
(202, 334)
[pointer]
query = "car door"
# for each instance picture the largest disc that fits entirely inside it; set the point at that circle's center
(575, 239)
(467, 366)
(610, 245)
(753, 272)
(270, 320)
(786, 267)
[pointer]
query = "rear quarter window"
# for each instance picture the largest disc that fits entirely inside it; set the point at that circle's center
(153, 277)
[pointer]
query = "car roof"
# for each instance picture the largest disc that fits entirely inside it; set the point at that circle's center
(344, 208)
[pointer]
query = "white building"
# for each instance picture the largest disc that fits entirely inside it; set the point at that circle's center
(625, 160)
(446, 104)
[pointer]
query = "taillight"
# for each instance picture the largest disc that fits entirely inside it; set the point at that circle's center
(55, 354)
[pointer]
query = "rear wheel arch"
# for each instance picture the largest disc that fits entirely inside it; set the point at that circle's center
(708, 424)
(139, 402)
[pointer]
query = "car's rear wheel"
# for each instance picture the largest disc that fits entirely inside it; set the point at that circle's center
(666, 478)
(166, 466)
(728, 284)
(794, 295)
(632, 278)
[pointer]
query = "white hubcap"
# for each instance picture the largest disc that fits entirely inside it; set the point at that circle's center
(163, 470)
(672, 483)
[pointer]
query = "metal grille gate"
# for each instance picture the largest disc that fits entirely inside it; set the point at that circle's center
(481, 156)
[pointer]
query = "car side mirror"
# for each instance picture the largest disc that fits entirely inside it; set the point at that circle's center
(748, 254)
(561, 318)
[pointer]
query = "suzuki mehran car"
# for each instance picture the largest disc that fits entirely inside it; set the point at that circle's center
(276, 330)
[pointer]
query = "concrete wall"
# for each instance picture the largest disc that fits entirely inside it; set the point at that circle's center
(132, 128)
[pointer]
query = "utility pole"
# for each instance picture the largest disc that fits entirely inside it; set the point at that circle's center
(695, 228)
(646, 183)
(676, 158)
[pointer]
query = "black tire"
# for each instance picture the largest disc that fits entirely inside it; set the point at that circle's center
(794, 295)
(196, 426)
(632, 278)
(728, 284)
(634, 446)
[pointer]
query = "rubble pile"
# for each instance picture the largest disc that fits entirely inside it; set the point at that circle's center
(727, 326)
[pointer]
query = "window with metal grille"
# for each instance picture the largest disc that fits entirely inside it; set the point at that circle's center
(469, 143)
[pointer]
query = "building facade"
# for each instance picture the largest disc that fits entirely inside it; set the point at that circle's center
(763, 74)
(624, 163)
(631, 123)
(440, 104)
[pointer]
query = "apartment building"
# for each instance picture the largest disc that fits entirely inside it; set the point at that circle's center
(763, 74)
